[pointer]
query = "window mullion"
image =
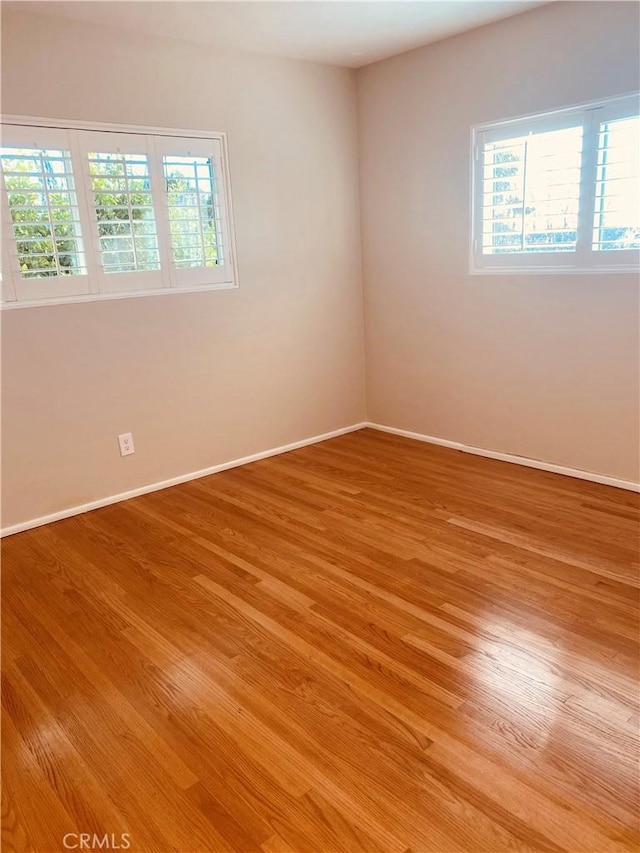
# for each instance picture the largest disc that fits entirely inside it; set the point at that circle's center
(10, 262)
(525, 160)
(127, 186)
(203, 241)
(52, 230)
(160, 203)
(588, 179)
(88, 218)
(222, 199)
(477, 165)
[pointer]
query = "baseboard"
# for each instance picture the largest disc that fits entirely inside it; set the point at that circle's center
(508, 457)
(275, 451)
(174, 481)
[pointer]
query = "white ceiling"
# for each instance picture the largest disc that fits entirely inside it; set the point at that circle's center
(341, 32)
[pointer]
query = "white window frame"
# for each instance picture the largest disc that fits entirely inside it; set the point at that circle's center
(122, 143)
(14, 287)
(583, 259)
(185, 278)
(79, 138)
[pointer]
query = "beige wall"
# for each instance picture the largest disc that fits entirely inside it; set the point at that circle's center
(198, 378)
(540, 366)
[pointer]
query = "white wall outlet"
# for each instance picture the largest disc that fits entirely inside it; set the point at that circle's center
(126, 444)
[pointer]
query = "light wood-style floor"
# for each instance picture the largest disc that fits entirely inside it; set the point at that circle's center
(370, 644)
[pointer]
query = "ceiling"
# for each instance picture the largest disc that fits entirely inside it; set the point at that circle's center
(341, 32)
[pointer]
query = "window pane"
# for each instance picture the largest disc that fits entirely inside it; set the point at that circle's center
(44, 212)
(530, 193)
(194, 214)
(616, 223)
(122, 199)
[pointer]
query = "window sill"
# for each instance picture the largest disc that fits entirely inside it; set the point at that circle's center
(103, 297)
(602, 270)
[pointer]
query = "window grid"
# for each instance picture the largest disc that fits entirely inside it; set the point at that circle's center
(49, 176)
(188, 171)
(574, 207)
(617, 179)
(131, 228)
(141, 250)
(534, 218)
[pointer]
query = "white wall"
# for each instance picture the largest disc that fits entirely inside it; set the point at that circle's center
(198, 378)
(541, 366)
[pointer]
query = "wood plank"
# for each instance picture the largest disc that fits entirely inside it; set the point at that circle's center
(370, 644)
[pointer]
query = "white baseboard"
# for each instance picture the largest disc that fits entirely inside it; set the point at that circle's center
(235, 463)
(174, 481)
(508, 457)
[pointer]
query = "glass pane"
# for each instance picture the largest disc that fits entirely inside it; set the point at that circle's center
(193, 211)
(530, 193)
(122, 200)
(616, 223)
(44, 212)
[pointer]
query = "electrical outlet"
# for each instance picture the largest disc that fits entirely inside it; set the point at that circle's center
(126, 444)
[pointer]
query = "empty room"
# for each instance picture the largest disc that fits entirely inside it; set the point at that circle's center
(320, 338)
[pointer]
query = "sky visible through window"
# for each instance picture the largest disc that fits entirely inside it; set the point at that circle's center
(617, 208)
(531, 190)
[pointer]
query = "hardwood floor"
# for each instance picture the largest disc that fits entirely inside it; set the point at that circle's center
(369, 644)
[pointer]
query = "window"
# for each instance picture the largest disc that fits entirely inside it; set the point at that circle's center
(193, 221)
(558, 192)
(616, 225)
(44, 211)
(124, 212)
(197, 210)
(89, 214)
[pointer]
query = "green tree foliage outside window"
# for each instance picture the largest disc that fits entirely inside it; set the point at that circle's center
(193, 213)
(43, 209)
(124, 210)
